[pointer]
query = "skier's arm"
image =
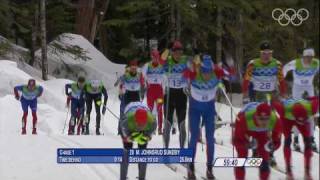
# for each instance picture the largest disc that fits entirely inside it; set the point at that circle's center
(67, 87)
(288, 67)
(240, 133)
(314, 104)
(16, 91)
(105, 95)
(40, 91)
(282, 82)
(164, 56)
(276, 135)
(219, 72)
(247, 79)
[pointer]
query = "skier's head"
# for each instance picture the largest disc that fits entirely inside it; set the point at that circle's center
(265, 52)
(95, 84)
(81, 81)
(308, 54)
(155, 56)
(133, 66)
(177, 50)
(299, 112)
(141, 117)
(206, 66)
(31, 84)
(263, 113)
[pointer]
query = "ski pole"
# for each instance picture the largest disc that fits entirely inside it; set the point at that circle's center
(65, 121)
(113, 113)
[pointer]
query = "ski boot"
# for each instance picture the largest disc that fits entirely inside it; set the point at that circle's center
(174, 131)
(191, 174)
(314, 145)
(98, 131)
(24, 131)
(34, 131)
(289, 174)
(296, 145)
(210, 175)
(273, 162)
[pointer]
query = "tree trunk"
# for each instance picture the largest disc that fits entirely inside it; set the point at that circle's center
(239, 46)
(100, 11)
(43, 39)
(85, 14)
(34, 32)
(172, 22)
(219, 34)
(178, 24)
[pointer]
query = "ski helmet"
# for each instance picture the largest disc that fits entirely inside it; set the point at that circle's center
(141, 117)
(299, 112)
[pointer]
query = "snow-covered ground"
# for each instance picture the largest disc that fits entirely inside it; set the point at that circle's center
(34, 157)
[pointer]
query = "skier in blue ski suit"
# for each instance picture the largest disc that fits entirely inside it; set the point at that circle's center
(204, 81)
(29, 96)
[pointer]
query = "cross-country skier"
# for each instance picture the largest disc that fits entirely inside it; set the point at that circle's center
(299, 113)
(137, 125)
(154, 75)
(257, 120)
(132, 84)
(304, 70)
(94, 90)
(204, 82)
(265, 73)
(76, 96)
(29, 96)
(175, 99)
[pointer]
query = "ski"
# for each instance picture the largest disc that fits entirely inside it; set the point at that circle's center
(171, 167)
(277, 168)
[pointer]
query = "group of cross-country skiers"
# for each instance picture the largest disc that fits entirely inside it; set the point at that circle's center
(171, 80)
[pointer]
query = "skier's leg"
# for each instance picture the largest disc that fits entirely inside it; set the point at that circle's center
(97, 102)
(242, 152)
(72, 121)
(168, 112)
(160, 108)
(125, 164)
(24, 105)
(122, 106)
(287, 127)
(33, 107)
(306, 133)
(142, 167)
(89, 101)
(194, 124)
(181, 109)
(208, 120)
(264, 167)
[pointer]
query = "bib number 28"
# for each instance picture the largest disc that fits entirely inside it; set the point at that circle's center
(265, 85)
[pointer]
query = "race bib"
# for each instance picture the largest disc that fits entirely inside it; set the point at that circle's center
(264, 83)
(176, 81)
(154, 79)
(203, 95)
(303, 80)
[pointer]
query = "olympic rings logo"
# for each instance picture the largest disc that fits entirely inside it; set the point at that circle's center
(253, 162)
(290, 15)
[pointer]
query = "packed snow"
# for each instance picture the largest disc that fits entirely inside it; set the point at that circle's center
(33, 157)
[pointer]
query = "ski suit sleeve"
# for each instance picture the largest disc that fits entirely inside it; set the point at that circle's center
(40, 91)
(124, 128)
(279, 108)
(105, 95)
(281, 80)
(164, 56)
(151, 130)
(240, 133)
(247, 78)
(276, 134)
(17, 89)
(314, 104)
(219, 72)
(288, 67)
(67, 87)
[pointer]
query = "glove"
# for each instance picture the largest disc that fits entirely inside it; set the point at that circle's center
(104, 108)
(120, 96)
(269, 147)
(143, 140)
(186, 91)
(253, 144)
(17, 97)
(134, 135)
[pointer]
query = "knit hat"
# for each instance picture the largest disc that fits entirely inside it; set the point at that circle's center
(206, 65)
(308, 52)
(141, 117)
(177, 45)
(263, 109)
(265, 46)
(299, 112)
